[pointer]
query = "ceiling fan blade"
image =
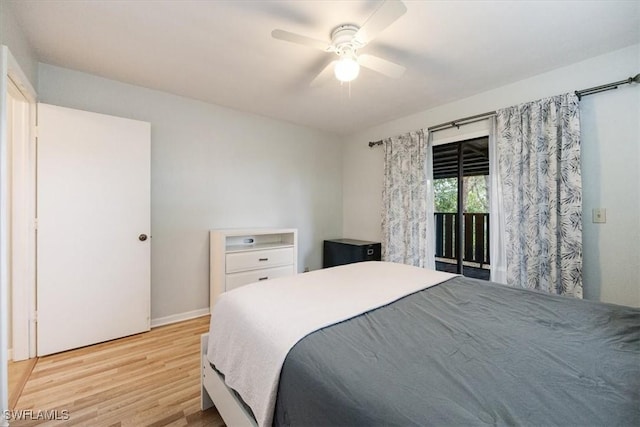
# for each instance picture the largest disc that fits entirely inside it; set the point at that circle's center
(324, 75)
(303, 40)
(387, 14)
(382, 66)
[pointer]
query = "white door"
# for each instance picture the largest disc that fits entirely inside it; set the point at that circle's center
(93, 262)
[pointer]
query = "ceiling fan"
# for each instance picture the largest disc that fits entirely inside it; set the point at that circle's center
(347, 39)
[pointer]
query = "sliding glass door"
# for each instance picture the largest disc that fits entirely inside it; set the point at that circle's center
(461, 182)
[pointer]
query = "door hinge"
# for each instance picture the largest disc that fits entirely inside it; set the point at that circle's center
(35, 317)
(35, 223)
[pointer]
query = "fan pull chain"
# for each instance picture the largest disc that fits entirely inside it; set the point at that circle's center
(348, 89)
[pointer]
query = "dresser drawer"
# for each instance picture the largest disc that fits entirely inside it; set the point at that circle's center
(251, 260)
(235, 280)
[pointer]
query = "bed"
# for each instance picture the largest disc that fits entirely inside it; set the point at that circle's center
(379, 343)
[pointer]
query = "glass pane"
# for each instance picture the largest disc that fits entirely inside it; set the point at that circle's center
(469, 251)
(475, 219)
(446, 206)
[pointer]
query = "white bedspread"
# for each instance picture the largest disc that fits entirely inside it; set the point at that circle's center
(254, 327)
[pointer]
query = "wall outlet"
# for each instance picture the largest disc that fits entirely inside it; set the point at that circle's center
(599, 215)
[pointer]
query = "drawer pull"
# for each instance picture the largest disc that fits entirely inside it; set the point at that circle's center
(263, 278)
(263, 259)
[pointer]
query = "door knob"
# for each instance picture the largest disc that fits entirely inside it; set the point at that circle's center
(142, 237)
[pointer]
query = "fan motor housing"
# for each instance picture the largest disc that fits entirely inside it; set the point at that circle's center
(343, 38)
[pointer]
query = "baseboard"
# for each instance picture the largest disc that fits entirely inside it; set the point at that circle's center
(10, 355)
(174, 318)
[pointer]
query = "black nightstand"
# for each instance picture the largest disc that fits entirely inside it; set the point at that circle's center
(347, 251)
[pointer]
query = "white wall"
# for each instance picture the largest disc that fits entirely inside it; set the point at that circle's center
(12, 36)
(213, 167)
(610, 165)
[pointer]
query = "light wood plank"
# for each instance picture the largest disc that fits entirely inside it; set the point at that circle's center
(150, 379)
(19, 373)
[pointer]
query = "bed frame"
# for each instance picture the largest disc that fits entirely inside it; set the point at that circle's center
(214, 392)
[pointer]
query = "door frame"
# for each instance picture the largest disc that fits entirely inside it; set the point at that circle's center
(21, 268)
(22, 221)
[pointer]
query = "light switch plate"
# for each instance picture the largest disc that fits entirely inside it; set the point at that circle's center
(599, 215)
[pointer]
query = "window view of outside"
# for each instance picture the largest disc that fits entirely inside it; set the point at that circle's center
(462, 238)
(475, 194)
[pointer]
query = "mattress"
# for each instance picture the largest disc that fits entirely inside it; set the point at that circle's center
(253, 327)
(468, 352)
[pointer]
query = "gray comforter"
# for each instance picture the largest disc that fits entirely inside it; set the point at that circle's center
(468, 352)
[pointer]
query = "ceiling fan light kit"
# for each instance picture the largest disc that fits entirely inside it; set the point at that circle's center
(347, 69)
(345, 44)
(346, 39)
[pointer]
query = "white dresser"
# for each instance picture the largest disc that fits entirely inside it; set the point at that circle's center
(243, 256)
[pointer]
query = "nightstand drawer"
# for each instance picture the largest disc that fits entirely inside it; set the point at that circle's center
(251, 260)
(235, 280)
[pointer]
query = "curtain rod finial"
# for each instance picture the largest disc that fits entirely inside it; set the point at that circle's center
(635, 79)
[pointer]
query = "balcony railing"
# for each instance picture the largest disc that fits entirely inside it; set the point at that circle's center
(476, 237)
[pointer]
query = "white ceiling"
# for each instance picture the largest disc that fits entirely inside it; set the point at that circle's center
(222, 51)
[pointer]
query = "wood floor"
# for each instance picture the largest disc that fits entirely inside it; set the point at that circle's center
(19, 373)
(150, 379)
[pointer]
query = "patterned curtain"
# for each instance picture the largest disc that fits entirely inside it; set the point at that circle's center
(404, 201)
(538, 145)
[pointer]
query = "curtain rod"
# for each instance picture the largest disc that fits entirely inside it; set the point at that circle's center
(479, 117)
(448, 125)
(608, 86)
(461, 122)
